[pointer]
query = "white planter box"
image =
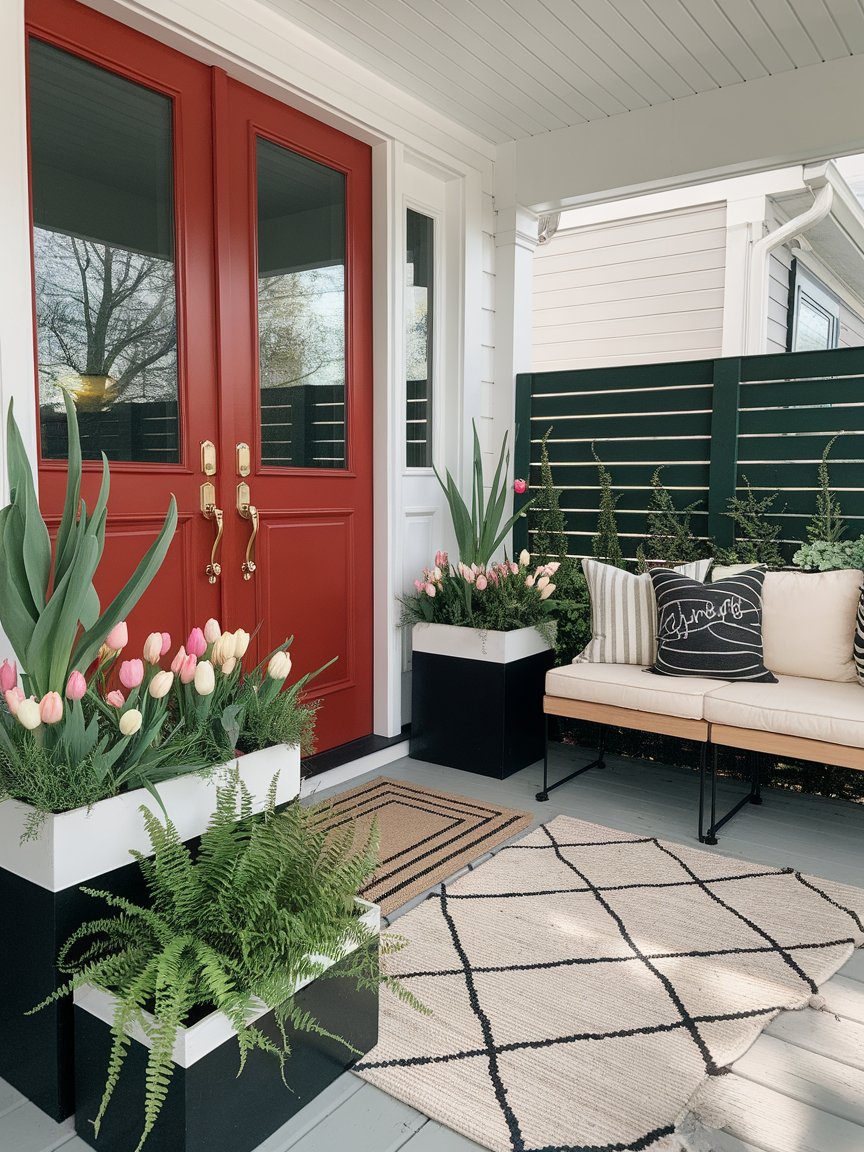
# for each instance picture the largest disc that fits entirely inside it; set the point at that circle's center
(73, 847)
(475, 644)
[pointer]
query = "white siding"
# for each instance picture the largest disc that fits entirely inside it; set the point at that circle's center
(851, 327)
(779, 272)
(630, 292)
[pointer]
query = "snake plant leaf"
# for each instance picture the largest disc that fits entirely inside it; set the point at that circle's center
(17, 613)
(49, 652)
(65, 544)
(477, 494)
(95, 526)
(125, 600)
(459, 516)
(36, 544)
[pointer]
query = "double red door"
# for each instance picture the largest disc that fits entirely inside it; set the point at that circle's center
(202, 263)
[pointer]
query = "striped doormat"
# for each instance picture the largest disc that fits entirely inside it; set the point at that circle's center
(426, 836)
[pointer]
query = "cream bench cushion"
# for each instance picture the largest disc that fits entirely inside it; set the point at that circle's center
(628, 686)
(794, 706)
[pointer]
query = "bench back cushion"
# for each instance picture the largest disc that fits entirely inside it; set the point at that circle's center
(624, 613)
(809, 623)
(712, 630)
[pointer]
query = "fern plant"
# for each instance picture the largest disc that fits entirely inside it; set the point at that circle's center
(828, 523)
(265, 901)
(755, 535)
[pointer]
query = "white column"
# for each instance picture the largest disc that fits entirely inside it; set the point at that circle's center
(745, 223)
(515, 241)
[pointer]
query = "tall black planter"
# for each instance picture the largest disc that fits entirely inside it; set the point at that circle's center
(41, 906)
(477, 698)
(209, 1108)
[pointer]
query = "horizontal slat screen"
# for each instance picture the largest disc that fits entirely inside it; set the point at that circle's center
(637, 417)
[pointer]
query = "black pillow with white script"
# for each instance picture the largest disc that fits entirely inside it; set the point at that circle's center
(712, 630)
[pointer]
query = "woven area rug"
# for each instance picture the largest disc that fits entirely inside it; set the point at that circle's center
(584, 982)
(426, 836)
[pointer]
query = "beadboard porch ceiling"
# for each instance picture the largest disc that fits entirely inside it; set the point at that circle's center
(508, 69)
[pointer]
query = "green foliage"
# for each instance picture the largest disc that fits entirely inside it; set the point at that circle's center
(547, 525)
(828, 523)
(825, 555)
(606, 546)
(265, 900)
(479, 533)
(269, 714)
(670, 537)
(52, 619)
(755, 535)
(572, 612)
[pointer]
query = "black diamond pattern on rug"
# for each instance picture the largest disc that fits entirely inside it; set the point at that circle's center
(584, 982)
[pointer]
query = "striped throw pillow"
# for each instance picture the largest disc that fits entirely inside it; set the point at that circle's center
(858, 646)
(712, 630)
(624, 613)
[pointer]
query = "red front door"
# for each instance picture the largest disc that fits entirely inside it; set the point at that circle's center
(202, 261)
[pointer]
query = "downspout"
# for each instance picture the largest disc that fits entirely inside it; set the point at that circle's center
(757, 312)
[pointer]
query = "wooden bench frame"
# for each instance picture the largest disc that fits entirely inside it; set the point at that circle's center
(709, 737)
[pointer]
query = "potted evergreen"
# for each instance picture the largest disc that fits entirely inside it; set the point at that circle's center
(482, 639)
(189, 1004)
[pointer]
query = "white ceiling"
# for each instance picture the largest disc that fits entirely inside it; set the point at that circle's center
(507, 69)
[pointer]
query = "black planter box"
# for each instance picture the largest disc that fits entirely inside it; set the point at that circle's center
(41, 906)
(209, 1108)
(481, 711)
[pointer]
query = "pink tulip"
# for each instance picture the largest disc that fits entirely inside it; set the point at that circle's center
(166, 643)
(51, 708)
(419, 585)
(546, 592)
(519, 487)
(116, 699)
(131, 673)
(196, 645)
(441, 560)
(187, 668)
(153, 647)
(430, 589)
(13, 697)
(177, 662)
(118, 637)
(8, 675)
(481, 583)
(76, 686)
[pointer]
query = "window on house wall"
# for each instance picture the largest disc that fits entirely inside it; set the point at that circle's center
(419, 292)
(814, 317)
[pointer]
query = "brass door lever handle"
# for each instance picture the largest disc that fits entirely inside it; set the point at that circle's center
(248, 512)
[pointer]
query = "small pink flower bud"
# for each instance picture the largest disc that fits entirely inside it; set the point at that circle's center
(429, 589)
(51, 708)
(166, 643)
(519, 487)
(530, 581)
(212, 631)
(419, 585)
(131, 673)
(8, 675)
(441, 560)
(196, 645)
(116, 698)
(482, 583)
(153, 648)
(118, 637)
(13, 697)
(177, 662)
(76, 686)
(542, 582)
(187, 668)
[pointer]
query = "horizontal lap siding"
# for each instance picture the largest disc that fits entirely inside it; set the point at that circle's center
(648, 289)
(640, 416)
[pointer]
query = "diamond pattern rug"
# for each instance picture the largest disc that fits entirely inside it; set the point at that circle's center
(584, 982)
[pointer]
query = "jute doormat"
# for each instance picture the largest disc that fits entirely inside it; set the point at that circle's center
(426, 836)
(585, 982)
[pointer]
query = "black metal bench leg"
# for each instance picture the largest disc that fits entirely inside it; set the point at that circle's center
(755, 796)
(598, 763)
(703, 760)
(711, 834)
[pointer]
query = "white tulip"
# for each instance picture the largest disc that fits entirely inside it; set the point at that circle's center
(130, 722)
(241, 643)
(524, 558)
(229, 666)
(205, 678)
(279, 666)
(28, 713)
(212, 631)
(160, 685)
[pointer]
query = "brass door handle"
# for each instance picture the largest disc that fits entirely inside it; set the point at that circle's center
(248, 512)
(214, 568)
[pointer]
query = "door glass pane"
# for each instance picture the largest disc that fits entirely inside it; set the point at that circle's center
(103, 218)
(301, 310)
(419, 283)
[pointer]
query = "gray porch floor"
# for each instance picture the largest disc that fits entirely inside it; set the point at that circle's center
(800, 1088)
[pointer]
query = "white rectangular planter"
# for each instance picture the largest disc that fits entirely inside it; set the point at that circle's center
(477, 644)
(73, 847)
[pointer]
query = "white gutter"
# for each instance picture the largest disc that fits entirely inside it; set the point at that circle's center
(757, 296)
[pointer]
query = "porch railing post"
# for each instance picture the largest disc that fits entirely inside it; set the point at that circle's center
(723, 467)
(522, 456)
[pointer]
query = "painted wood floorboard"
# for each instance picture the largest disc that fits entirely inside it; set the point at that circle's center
(798, 1089)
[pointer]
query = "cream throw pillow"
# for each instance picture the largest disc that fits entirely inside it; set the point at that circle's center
(808, 623)
(624, 613)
